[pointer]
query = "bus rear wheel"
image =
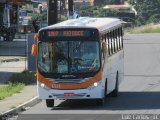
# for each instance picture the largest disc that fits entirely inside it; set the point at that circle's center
(50, 103)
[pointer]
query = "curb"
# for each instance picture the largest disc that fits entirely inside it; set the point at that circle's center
(20, 108)
(20, 36)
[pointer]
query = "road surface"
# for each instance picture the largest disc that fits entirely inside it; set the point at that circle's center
(13, 48)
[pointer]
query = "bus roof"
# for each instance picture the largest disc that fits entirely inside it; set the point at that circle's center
(87, 22)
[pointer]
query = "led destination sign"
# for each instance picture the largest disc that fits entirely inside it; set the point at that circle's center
(70, 33)
(66, 33)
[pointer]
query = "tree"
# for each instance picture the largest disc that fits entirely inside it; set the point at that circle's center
(98, 2)
(102, 2)
(145, 9)
(95, 11)
(154, 19)
(112, 1)
(106, 13)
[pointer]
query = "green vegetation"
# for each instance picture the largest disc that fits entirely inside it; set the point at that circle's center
(112, 1)
(146, 29)
(24, 78)
(102, 2)
(16, 83)
(147, 11)
(95, 11)
(27, 6)
(10, 89)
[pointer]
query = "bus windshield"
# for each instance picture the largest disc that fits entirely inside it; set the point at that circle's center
(68, 57)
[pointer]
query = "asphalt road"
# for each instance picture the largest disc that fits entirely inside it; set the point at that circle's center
(13, 48)
(139, 92)
(12, 59)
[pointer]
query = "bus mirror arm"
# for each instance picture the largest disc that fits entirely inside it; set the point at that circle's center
(34, 50)
(104, 48)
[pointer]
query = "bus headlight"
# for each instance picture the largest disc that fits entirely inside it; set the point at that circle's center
(42, 85)
(94, 85)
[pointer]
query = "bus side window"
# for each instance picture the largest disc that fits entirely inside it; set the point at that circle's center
(108, 44)
(116, 37)
(114, 41)
(105, 38)
(122, 36)
(106, 41)
(119, 38)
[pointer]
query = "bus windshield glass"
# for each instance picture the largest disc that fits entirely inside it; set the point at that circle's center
(68, 57)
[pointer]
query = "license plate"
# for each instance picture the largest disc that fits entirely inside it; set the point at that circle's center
(68, 94)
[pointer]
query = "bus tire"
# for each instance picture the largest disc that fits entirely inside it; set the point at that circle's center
(50, 102)
(115, 92)
(100, 102)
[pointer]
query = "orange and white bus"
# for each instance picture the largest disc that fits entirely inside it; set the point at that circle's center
(80, 59)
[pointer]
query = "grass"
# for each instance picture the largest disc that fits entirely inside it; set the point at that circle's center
(151, 28)
(16, 83)
(10, 89)
(25, 78)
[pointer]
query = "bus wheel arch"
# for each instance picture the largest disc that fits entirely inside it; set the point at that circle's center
(115, 92)
(105, 89)
(101, 102)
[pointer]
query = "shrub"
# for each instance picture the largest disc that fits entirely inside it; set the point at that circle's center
(25, 78)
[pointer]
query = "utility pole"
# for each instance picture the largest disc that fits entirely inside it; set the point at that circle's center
(53, 11)
(70, 8)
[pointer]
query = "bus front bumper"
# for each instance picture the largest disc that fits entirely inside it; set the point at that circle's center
(95, 91)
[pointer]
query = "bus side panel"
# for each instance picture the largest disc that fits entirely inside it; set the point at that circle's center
(116, 64)
(106, 73)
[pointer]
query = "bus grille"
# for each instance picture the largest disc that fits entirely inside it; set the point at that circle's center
(67, 81)
(62, 96)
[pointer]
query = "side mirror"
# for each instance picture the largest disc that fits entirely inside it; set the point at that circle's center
(34, 50)
(104, 48)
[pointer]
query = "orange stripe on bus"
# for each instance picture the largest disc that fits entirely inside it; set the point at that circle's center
(83, 85)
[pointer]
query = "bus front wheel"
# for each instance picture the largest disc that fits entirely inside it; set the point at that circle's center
(50, 103)
(100, 102)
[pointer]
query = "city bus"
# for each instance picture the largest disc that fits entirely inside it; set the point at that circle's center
(79, 59)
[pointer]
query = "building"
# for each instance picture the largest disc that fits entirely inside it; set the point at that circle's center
(125, 12)
(9, 11)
